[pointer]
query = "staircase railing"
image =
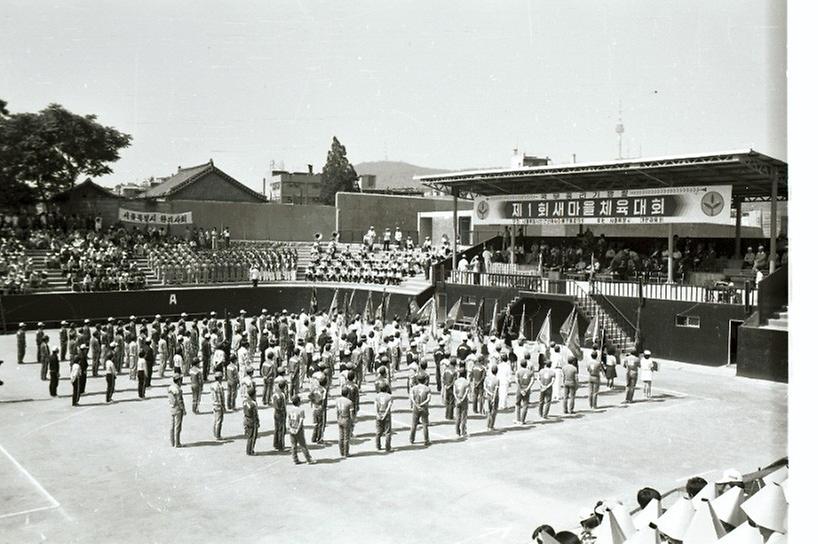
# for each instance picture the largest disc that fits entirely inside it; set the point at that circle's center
(618, 329)
(773, 293)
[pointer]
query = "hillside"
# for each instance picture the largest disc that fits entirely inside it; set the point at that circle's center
(395, 174)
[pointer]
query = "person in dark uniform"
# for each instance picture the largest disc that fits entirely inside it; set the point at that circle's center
(419, 398)
(196, 385)
(632, 366)
(53, 371)
(546, 377)
(439, 355)
(83, 358)
(251, 422)
(318, 398)
(110, 375)
(449, 376)
(295, 428)
(63, 340)
(570, 381)
(43, 355)
(75, 382)
(279, 415)
(478, 375)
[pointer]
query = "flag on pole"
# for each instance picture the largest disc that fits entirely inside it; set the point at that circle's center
(637, 341)
(413, 309)
(368, 313)
(565, 329)
(386, 306)
(455, 314)
(424, 314)
(591, 331)
(433, 317)
(572, 343)
(544, 336)
(333, 306)
(380, 312)
(493, 329)
(475, 324)
(521, 328)
(314, 301)
(348, 304)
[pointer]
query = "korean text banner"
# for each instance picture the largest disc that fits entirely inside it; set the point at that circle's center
(155, 218)
(700, 204)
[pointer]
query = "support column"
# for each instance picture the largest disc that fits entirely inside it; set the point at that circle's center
(670, 252)
(773, 221)
(737, 252)
(513, 257)
(454, 230)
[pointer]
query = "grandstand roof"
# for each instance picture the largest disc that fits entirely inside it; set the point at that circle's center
(749, 173)
(187, 176)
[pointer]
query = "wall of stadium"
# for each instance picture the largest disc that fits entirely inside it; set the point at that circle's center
(246, 220)
(51, 308)
(357, 211)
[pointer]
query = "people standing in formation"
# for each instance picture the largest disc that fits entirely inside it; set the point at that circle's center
(299, 356)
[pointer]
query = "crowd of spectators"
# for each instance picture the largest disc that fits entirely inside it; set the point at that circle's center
(16, 271)
(648, 259)
(184, 262)
(753, 506)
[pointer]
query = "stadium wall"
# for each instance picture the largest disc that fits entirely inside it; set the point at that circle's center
(51, 308)
(762, 353)
(357, 211)
(246, 220)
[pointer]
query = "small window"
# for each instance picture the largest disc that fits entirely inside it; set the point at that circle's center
(470, 300)
(692, 321)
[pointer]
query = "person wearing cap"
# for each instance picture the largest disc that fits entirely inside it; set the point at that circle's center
(504, 375)
(40, 334)
(647, 366)
(570, 383)
(383, 415)
(267, 376)
(196, 384)
(217, 398)
(43, 356)
(83, 360)
(177, 410)
(63, 340)
(761, 261)
(477, 377)
(295, 428)
(448, 379)
(491, 386)
(110, 374)
(141, 374)
(525, 381)
(53, 371)
(547, 377)
(251, 422)
(632, 367)
(96, 353)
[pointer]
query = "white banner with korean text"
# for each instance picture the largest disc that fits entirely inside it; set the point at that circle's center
(699, 204)
(155, 218)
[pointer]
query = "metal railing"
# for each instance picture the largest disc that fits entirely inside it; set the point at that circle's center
(745, 295)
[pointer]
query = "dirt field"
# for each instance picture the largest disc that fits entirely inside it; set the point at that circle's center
(106, 473)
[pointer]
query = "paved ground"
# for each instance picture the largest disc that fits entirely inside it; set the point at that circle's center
(106, 473)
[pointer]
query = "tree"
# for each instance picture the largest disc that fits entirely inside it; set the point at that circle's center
(338, 174)
(44, 153)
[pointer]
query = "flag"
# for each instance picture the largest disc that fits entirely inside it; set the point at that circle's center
(348, 304)
(424, 314)
(380, 312)
(494, 317)
(544, 336)
(565, 329)
(314, 301)
(572, 343)
(368, 313)
(386, 306)
(475, 324)
(333, 306)
(412, 310)
(433, 318)
(637, 341)
(455, 314)
(521, 328)
(593, 328)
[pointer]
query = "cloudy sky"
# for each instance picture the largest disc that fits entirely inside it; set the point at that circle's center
(454, 84)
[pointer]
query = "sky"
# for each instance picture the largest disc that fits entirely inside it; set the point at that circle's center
(456, 84)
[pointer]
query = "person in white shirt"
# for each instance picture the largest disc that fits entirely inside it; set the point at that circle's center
(504, 375)
(398, 238)
(558, 360)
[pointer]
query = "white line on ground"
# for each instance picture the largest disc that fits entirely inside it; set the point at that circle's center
(50, 423)
(30, 511)
(54, 502)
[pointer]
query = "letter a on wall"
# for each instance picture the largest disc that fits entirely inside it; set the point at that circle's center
(172, 299)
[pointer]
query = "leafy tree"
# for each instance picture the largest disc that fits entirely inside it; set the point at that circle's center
(44, 153)
(338, 174)
(3, 111)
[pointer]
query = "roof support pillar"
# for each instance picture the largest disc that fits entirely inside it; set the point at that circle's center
(454, 229)
(670, 252)
(773, 223)
(737, 252)
(513, 256)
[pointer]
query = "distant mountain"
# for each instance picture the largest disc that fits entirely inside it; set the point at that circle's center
(396, 174)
